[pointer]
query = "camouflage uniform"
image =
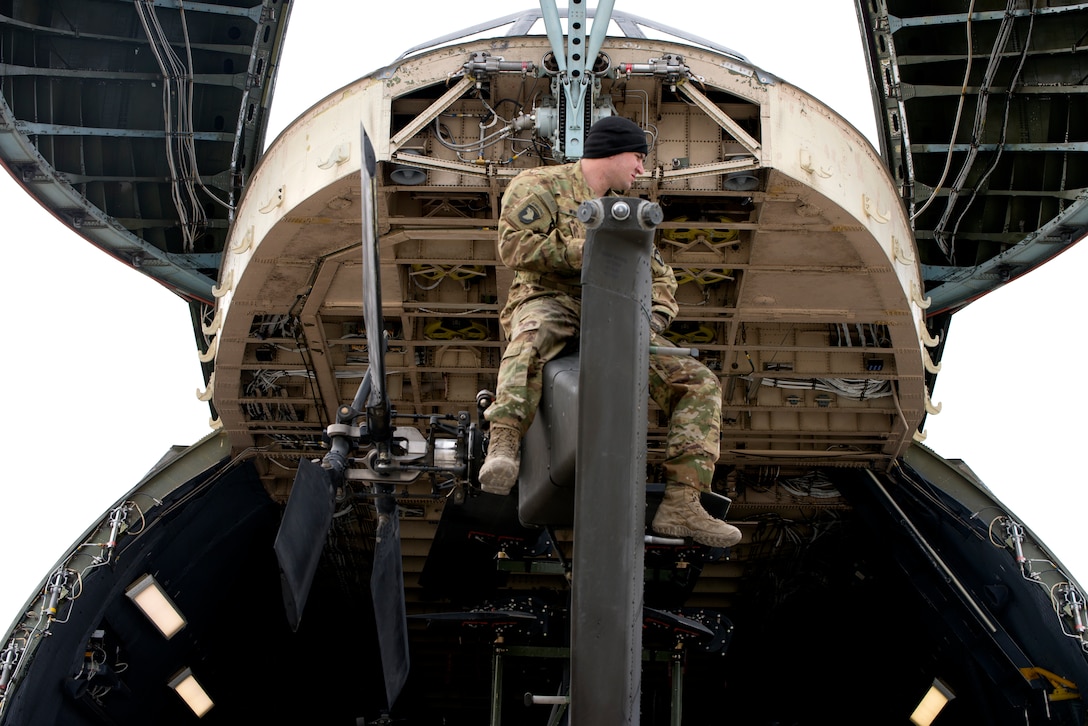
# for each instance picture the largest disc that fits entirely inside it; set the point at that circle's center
(541, 239)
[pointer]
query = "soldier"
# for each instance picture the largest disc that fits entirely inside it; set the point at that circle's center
(541, 239)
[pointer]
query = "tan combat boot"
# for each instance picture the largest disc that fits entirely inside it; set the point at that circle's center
(681, 515)
(500, 469)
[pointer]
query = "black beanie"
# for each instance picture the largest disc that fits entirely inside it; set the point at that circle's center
(614, 135)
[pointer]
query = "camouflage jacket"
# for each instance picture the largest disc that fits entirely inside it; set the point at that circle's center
(541, 238)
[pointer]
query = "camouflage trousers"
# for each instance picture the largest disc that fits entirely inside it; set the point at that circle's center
(687, 391)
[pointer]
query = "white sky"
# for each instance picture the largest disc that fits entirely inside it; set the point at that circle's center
(102, 366)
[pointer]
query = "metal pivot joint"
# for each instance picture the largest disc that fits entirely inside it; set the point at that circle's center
(592, 213)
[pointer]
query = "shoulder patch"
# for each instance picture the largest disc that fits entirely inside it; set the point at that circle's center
(528, 214)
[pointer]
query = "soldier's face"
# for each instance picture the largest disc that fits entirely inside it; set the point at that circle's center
(623, 168)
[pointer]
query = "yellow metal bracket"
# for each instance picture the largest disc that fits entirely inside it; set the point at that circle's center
(1062, 689)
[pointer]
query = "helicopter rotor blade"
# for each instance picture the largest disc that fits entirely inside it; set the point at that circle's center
(387, 578)
(387, 592)
(302, 535)
(377, 404)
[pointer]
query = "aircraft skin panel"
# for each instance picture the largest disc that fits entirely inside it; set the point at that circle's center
(821, 216)
(1003, 191)
(83, 126)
